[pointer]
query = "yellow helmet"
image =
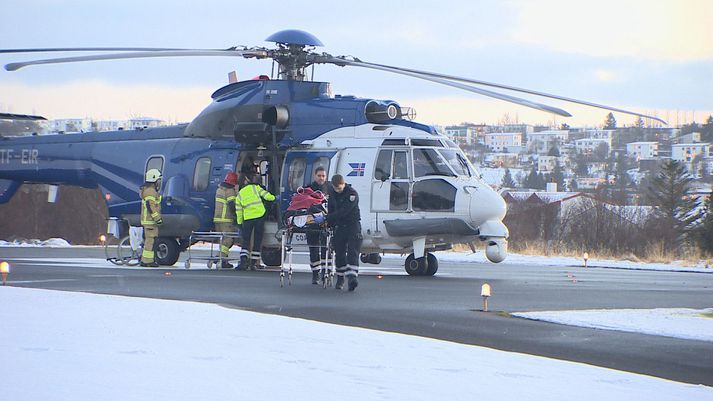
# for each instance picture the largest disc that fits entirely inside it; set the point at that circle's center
(153, 175)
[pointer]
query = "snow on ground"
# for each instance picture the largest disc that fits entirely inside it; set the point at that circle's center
(51, 243)
(683, 323)
(452, 256)
(532, 260)
(76, 346)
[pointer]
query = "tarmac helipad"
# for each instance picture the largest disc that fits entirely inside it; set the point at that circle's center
(445, 306)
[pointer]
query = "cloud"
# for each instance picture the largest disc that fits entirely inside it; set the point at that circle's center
(664, 29)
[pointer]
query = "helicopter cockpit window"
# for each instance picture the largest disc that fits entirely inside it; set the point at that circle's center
(296, 173)
(428, 162)
(400, 165)
(201, 174)
(457, 162)
(426, 142)
(394, 142)
(451, 144)
(382, 171)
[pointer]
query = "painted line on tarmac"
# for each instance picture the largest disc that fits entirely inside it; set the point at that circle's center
(49, 280)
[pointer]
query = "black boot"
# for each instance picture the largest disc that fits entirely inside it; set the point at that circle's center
(152, 264)
(226, 265)
(243, 265)
(340, 283)
(315, 276)
(353, 283)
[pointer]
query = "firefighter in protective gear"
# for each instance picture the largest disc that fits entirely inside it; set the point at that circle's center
(343, 214)
(316, 239)
(150, 215)
(224, 215)
(250, 215)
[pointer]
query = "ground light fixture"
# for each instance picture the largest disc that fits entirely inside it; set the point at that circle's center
(485, 293)
(5, 270)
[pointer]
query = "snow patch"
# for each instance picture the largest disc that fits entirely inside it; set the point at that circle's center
(690, 324)
(77, 346)
(50, 243)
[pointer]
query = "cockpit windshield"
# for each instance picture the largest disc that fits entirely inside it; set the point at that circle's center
(427, 162)
(457, 162)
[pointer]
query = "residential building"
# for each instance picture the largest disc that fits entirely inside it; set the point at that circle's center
(503, 142)
(589, 145)
(541, 142)
(687, 152)
(642, 150)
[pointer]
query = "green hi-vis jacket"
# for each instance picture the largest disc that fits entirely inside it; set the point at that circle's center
(248, 204)
(150, 206)
(224, 205)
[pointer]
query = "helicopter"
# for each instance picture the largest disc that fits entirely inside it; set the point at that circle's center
(420, 193)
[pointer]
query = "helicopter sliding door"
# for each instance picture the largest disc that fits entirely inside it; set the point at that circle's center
(391, 185)
(298, 171)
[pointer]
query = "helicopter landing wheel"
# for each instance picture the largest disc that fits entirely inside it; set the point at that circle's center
(415, 266)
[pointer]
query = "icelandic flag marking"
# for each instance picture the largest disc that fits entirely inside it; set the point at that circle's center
(357, 169)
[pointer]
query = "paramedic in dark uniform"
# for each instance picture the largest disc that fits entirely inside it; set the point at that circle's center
(316, 240)
(343, 215)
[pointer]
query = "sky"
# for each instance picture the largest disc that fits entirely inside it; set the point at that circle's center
(650, 57)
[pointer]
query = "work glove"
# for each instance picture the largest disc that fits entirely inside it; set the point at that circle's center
(319, 218)
(159, 221)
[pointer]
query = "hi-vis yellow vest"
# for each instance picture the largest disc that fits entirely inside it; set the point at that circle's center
(150, 195)
(248, 204)
(224, 205)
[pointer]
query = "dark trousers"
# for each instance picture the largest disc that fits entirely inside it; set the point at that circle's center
(347, 244)
(252, 228)
(317, 241)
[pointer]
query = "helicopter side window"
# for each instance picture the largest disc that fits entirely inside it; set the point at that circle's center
(428, 162)
(434, 196)
(382, 171)
(321, 162)
(201, 174)
(154, 162)
(296, 173)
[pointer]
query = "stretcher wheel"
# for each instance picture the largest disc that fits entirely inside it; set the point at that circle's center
(187, 264)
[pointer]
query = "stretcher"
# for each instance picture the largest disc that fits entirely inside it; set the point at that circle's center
(288, 245)
(214, 238)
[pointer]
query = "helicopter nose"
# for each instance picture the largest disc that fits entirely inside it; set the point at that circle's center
(486, 204)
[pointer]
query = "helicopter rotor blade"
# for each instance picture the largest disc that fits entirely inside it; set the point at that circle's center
(523, 90)
(247, 53)
(89, 49)
(512, 99)
(9, 116)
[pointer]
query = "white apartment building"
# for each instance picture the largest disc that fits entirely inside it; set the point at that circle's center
(588, 145)
(462, 135)
(686, 152)
(643, 150)
(70, 125)
(600, 134)
(541, 142)
(547, 163)
(143, 122)
(499, 142)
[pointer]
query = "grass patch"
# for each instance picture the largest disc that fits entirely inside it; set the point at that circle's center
(710, 315)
